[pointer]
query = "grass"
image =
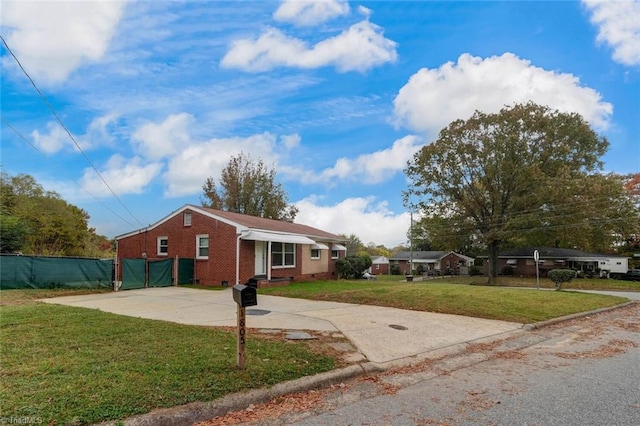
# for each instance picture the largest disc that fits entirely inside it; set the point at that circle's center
(66, 365)
(508, 304)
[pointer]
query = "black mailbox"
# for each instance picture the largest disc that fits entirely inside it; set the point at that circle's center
(245, 295)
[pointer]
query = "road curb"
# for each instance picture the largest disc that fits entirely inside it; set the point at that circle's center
(201, 411)
(541, 324)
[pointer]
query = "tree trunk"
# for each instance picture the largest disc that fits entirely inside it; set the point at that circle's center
(494, 247)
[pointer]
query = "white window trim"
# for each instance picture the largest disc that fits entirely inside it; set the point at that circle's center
(198, 237)
(337, 256)
(295, 249)
(186, 215)
(315, 257)
(158, 246)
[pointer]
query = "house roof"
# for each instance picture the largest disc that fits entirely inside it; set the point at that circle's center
(550, 252)
(425, 256)
(244, 222)
(379, 260)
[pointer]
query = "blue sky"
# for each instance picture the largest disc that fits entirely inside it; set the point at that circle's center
(335, 95)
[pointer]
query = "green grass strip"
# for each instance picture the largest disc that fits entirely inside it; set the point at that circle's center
(66, 365)
(507, 304)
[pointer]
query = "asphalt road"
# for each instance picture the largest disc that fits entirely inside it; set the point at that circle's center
(583, 372)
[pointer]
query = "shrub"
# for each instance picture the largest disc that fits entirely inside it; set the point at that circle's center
(394, 269)
(561, 276)
(507, 270)
(475, 270)
(353, 266)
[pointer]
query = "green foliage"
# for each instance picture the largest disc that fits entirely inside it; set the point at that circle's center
(394, 269)
(13, 233)
(561, 276)
(353, 267)
(354, 245)
(40, 222)
(475, 270)
(248, 187)
(525, 172)
(506, 270)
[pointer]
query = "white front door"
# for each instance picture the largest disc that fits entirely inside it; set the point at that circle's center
(261, 257)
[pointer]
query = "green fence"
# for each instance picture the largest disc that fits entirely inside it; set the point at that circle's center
(18, 272)
(134, 274)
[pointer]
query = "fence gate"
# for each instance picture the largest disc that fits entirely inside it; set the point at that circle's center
(160, 272)
(186, 269)
(133, 273)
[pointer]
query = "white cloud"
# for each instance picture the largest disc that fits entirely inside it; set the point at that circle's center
(193, 164)
(291, 141)
(53, 38)
(369, 221)
(308, 13)
(164, 139)
(54, 140)
(123, 176)
(435, 97)
(367, 168)
(358, 48)
(618, 25)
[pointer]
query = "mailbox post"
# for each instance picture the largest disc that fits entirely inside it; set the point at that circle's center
(244, 296)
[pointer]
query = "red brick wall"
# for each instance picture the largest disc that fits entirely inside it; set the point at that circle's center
(221, 264)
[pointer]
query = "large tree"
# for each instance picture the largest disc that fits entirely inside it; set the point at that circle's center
(248, 187)
(502, 178)
(36, 221)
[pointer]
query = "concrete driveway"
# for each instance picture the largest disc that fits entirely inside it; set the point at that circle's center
(380, 334)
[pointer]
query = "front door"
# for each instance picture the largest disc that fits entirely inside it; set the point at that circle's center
(261, 257)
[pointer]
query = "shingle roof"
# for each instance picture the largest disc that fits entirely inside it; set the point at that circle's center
(547, 252)
(419, 255)
(262, 223)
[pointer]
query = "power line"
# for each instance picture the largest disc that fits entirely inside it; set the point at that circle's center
(55, 114)
(77, 184)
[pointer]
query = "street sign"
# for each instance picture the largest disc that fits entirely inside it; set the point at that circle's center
(536, 258)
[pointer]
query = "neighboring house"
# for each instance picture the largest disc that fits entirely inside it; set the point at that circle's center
(379, 265)
(432, 262)
(229, 248)
(522, 262)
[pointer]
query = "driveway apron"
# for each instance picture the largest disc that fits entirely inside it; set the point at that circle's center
(380, 334)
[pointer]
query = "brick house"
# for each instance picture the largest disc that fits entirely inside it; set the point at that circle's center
(379, 265)
(230, 248)
(520, 261)
(432, 262)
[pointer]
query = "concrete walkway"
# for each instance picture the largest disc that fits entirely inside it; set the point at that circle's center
(380, 334)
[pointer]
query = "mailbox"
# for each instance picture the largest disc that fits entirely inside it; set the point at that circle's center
(245, 295)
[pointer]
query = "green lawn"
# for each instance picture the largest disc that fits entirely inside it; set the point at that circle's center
(66, 365)
(509, 304)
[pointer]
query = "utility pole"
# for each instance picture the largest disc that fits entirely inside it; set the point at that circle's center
(411, 243)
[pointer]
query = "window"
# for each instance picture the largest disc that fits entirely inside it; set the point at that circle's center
(283, 254)
(202, 246)
(335, 254)
(377, 266)
(187, 219)
(315, 253)
(163, 246)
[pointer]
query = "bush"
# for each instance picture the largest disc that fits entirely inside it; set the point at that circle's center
(352, 267)
(561, 276)
(475, 270)
(507, 270)
(394, 269)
